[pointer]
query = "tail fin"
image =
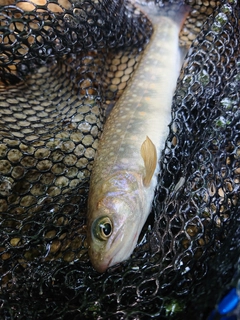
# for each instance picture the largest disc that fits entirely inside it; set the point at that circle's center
(177, 12)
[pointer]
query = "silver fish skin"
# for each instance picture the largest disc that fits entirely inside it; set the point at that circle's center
(125, 169)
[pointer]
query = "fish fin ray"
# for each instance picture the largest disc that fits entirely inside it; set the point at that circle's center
(149, 155)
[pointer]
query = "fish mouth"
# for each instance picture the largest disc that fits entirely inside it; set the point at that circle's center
(114, 249)
(101, 267)
(117, 251)
(120, 253)
(100, 261)
(117, 254)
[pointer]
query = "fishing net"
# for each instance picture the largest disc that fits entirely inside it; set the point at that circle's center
(63, 65)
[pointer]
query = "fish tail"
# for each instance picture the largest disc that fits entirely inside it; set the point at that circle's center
(178, 12)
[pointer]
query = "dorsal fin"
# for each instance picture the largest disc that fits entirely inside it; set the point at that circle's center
(149, 155)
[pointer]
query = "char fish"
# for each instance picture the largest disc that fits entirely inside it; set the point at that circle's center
(125, 169)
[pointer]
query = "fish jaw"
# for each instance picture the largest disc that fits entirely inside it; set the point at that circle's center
(128, 215)
(102, 258)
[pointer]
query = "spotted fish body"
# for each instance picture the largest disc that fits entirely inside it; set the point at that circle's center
(125, 170)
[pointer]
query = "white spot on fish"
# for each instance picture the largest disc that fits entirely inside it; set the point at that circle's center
(124, 160)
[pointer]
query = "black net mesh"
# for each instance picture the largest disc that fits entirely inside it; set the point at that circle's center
(63, 64)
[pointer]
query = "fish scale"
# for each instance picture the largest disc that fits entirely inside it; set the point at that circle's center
(137, 112)
(144, 110)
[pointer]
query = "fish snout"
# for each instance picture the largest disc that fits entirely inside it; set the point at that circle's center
(100, 267)
(99, 261)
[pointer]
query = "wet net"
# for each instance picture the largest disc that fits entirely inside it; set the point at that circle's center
(63, 65)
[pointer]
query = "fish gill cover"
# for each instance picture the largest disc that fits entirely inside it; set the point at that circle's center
(63, 64)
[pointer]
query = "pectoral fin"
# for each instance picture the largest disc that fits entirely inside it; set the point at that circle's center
(149, 155)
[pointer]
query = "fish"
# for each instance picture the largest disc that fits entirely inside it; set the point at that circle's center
(124, 174)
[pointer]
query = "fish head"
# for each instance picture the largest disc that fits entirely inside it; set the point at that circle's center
(112, 232)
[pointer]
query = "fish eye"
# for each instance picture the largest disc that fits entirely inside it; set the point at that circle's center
(102, 228)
